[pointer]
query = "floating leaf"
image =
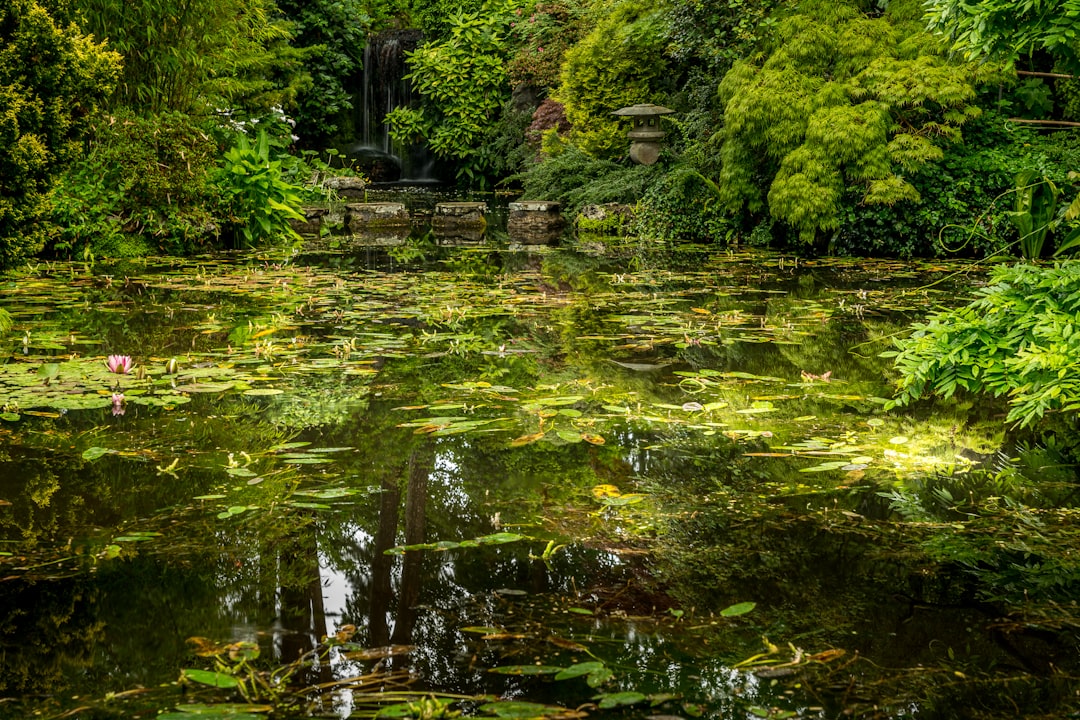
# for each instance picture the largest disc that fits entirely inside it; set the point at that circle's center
(499, 538)
(621, 500)
(599, 677)
(419, 709)
(592, 439)
(825, 466)
(580, 669)
(519, 709)
(182, 715)
(209, 677)
(93, 453)
(612, 700)
(290, 445)
(738, 609)
(526, 670)
(526, 439)
(263, 391)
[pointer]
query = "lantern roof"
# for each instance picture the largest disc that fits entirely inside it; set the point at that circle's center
(643, 109)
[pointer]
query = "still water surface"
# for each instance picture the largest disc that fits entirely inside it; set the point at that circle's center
(482, 466)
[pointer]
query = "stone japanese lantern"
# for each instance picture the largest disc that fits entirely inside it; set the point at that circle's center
(646, 134)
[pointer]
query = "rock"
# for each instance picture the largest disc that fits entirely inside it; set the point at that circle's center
(365, 215)
(346, 187)
(454, 215)
(609, 219)
(535, 222)
(312, 222)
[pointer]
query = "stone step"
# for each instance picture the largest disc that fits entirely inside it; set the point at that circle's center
(535, 222)
(458, 214)
(385, 214)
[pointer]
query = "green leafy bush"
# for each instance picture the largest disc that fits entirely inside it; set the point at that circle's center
(964, 199)
(620, 63)
(260, 199)
(683, 205)
(142, 186)
(575, 179)
(840, 100)
(1003, 30)
(52, 78)
(542, 37)
(334, 33)
(463, 84)
(1018, 339)
(200, 56)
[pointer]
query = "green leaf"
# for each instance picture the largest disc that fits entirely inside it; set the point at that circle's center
(232, 710)
(209, 677)
(93, 453)
(526, 670)
(519, 709)
(738, 609)
(612, 700)
(580, 669)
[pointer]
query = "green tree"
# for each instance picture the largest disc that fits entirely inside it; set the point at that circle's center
(334, 33)
(620, 63)
(52, 78)
(463, 84)
(1004, 30)
(198, 56)
(838, 99)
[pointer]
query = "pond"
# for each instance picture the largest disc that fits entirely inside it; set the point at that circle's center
(423, 480)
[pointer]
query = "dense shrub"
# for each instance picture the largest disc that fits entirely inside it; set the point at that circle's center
(619, 63)
(1015, 340)
(435, 17)
(142, 185)
(51, 79)
(575, 179)
(260, 199)
(334, 32)
(542, 37)
(203, 57)
(840, 101)
(550, 115)
(684, 205)
(462, 83)
(963, 199)
(506, 150)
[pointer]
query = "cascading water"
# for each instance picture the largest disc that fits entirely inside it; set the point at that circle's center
(384, 88)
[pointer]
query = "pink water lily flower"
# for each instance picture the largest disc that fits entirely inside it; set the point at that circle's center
(118, 404)
(119, 364)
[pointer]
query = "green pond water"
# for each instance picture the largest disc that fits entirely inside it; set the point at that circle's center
(423, 480)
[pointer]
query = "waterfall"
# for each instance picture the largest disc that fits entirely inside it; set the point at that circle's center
(384, 88)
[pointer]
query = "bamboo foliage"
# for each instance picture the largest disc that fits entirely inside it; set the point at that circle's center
(197, 56)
